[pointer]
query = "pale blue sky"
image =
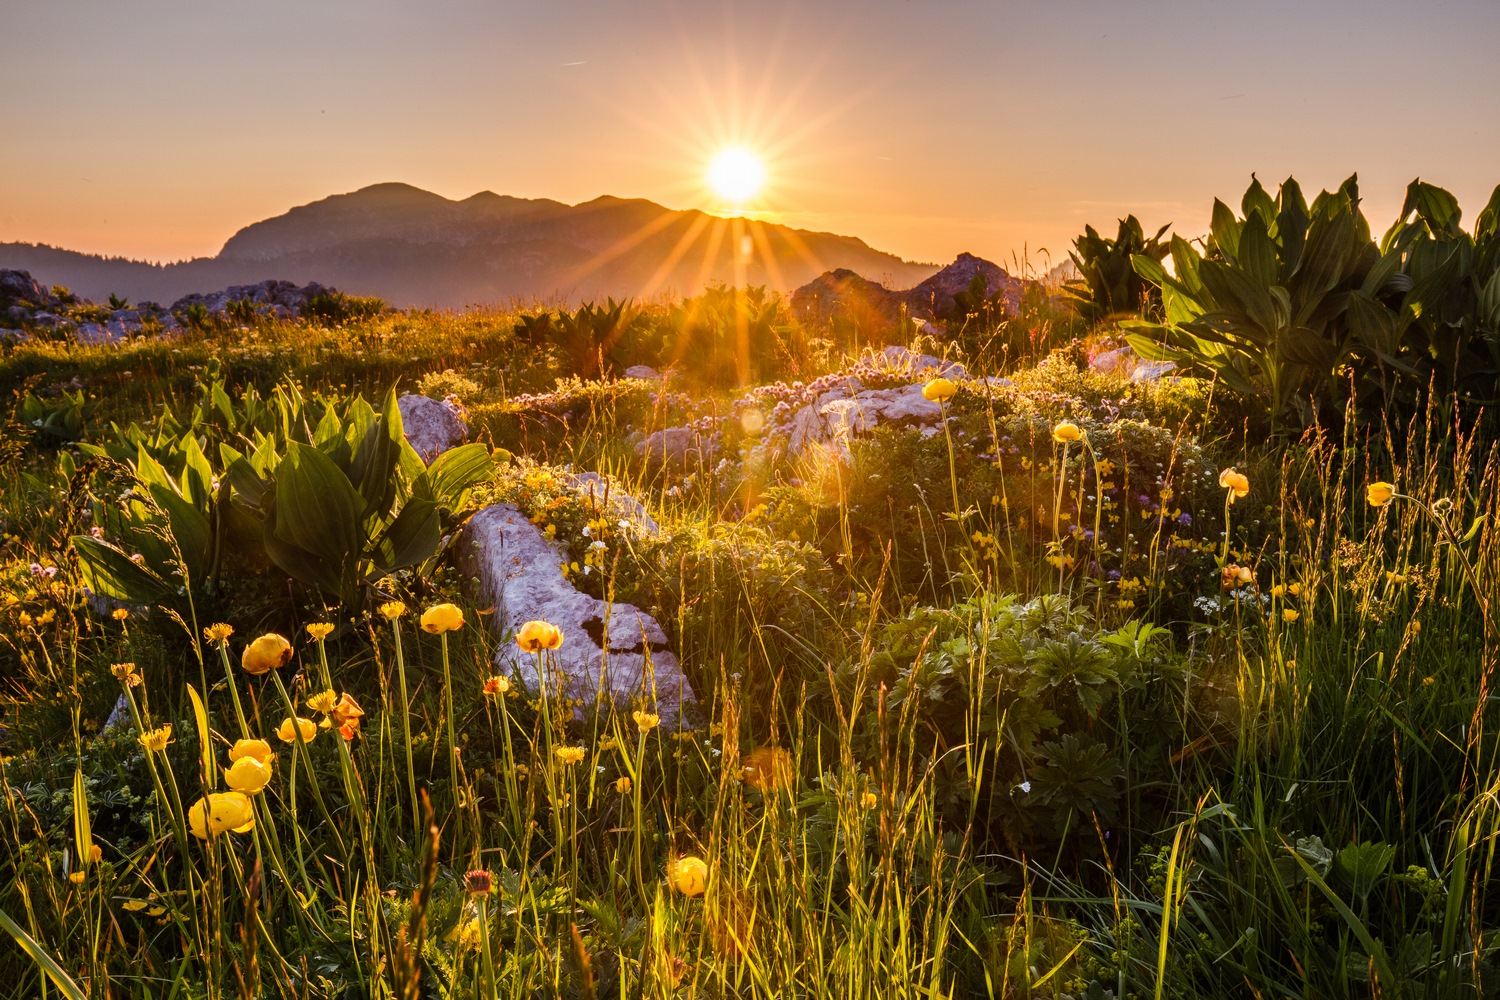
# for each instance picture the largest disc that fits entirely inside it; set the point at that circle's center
(156, 128)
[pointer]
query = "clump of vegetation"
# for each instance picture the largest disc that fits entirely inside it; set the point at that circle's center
(1060, 685)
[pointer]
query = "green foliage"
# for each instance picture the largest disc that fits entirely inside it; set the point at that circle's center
(57, 420)
(1297, 306)
(1108, 284)
(1015, 692)
(326, 490)
(336, 308)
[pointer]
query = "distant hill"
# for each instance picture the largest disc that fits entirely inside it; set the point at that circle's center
(415, 248)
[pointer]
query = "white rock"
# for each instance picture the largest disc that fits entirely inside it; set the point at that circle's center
(610, 653)
(431, 427)
(621, 505)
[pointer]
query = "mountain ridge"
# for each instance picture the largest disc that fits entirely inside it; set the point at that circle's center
(414, 247)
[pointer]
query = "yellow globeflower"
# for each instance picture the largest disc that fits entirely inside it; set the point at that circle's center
(320, 630)
(622, 784)
(266, 653)
(536, 636)
(247, 775)
(1067, 432)
(1290, 615)
(1237, 483)
(871, 800)
(939, 390)
(767, 768)
(219, 812)
(257, 750)
(391, 610)
(646, 721)
(496, 685)
(688, 875)
(442, 618)
(156, 739)
(1380, 494)
(287, 731)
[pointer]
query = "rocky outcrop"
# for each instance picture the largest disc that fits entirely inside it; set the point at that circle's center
(935, 296)
(611, 652)
(432, 427)
(278, 299)
(606, 497)
(905, 361)
(1126, 363)
(846, 295)
(845, 408)
(679, 447)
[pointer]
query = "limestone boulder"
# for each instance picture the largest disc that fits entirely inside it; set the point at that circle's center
(432, 427)
(611, 652)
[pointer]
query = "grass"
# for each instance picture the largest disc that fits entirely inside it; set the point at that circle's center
(958, 738)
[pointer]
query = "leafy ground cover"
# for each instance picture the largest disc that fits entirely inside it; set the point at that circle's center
(1095, 689)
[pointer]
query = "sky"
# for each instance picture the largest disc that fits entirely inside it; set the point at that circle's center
(155, 129)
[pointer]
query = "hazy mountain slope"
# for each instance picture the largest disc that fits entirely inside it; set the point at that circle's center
(416, 248)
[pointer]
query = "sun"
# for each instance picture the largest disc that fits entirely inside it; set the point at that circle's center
(736, 175)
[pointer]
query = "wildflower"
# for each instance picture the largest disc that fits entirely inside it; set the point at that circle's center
(391, 610)
(77, 877)
(266, 653)
(347, 714)
(125, 674)
(470, 935)
(442, 618)
(134, 905)
(1278, 590)
(1237, 483)
(219, 812)
(257, 750)
(288, 730)
(1067, 432)
(247, 775)
(767, 768)
(622, 784)
(120, 614)
(320, 630)
(1295, 589)
(323, 702)
(870, 800)
(688, 875)
(1290, 615)
(1025, 786)
(536, 636)
(156, 739)
(569, 755)
(1429, 681)
(1380, 494)
(157, 911)
(496, 685)
(646, 721)
(477, 882)
(939, 390)
(218, 633)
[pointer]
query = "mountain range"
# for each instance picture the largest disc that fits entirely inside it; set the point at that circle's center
(415, 248)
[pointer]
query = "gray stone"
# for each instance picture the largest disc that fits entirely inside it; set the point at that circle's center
(611, 653)
(678, 446)
(642, 372)
(622, 505)
(432, 427)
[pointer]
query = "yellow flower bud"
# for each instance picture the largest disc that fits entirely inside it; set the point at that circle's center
(247, 775)
(287, 731)
(1380, 494)
(1067, 432)
(442, 618)
(257, 750)
(688, 875)
(939, 390)
(536, 636)
(220, 812)
(266, 653)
